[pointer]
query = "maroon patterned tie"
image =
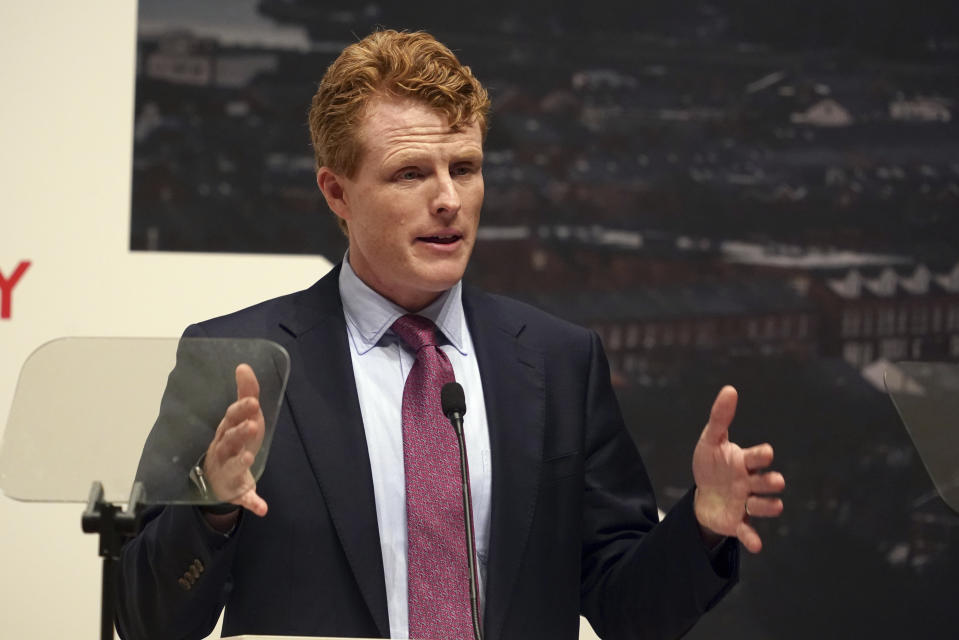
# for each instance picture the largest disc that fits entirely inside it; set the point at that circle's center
(438, 576)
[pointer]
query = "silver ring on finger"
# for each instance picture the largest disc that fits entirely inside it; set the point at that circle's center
(746, 507)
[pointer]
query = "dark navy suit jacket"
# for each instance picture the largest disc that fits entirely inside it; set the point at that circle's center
(573, 522)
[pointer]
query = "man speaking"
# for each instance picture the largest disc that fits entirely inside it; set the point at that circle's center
(355, 527)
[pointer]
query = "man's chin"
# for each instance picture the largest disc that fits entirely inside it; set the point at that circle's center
(441, 278)
(442, 267)
(440, 282)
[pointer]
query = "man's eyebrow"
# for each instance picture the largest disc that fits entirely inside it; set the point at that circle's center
(403, 158)
(474, 156)
(412, 157)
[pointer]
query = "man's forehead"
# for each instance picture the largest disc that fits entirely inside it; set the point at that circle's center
(396, 120)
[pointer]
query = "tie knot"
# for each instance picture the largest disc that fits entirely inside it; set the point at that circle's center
(416, 331)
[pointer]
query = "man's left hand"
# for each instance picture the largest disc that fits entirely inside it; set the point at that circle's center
(731, 486)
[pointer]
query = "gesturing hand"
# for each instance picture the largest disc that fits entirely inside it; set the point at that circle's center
(730, 485)
(235, 445)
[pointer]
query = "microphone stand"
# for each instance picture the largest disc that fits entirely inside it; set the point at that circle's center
(455, 415)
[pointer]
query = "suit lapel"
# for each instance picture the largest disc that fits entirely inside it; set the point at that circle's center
(514, 393)
(326, 413)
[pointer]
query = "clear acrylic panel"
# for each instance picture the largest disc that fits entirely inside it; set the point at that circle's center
(926, 395)
(118, 409)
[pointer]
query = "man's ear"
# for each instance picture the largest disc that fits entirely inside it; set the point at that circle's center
(331, 185)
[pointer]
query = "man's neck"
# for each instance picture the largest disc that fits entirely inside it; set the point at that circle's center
(370, 313)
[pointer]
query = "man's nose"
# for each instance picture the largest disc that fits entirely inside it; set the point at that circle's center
(446, 200)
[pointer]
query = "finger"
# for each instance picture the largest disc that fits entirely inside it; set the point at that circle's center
(772, 482)
(758, 457)
(236, 439)
(253, 502)
(246, 383)
(235, 414)
(721, 416)
(748, 536)
(242, 409)
(763, 507)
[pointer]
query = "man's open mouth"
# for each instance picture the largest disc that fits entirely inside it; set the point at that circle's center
(450, 239)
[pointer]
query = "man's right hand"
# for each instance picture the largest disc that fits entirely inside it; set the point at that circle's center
(235, 445)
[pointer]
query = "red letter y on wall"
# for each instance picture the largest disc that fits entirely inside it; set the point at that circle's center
(6, 289)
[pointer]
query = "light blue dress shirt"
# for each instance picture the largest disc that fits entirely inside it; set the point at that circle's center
(380, 365)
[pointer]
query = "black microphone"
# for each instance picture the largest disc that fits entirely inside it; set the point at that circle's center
(454, 405)
(453, 401)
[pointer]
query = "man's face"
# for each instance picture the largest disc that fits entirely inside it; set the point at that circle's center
(413, 205)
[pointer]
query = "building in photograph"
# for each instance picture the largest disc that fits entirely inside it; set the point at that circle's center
(890, 314)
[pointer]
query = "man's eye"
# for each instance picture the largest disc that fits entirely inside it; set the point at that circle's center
(462, 170)
(408, 174)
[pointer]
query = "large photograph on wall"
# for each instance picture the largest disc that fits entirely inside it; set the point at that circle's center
(757, 193)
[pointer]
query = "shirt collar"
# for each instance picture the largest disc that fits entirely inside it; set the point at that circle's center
(369, 315)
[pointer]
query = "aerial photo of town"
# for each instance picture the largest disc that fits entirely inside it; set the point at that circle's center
(761, 194)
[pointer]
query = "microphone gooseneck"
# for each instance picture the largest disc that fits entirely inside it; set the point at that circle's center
(453, 401)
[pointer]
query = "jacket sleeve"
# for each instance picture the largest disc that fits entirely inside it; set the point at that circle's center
(640, 578)
(173, 577)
